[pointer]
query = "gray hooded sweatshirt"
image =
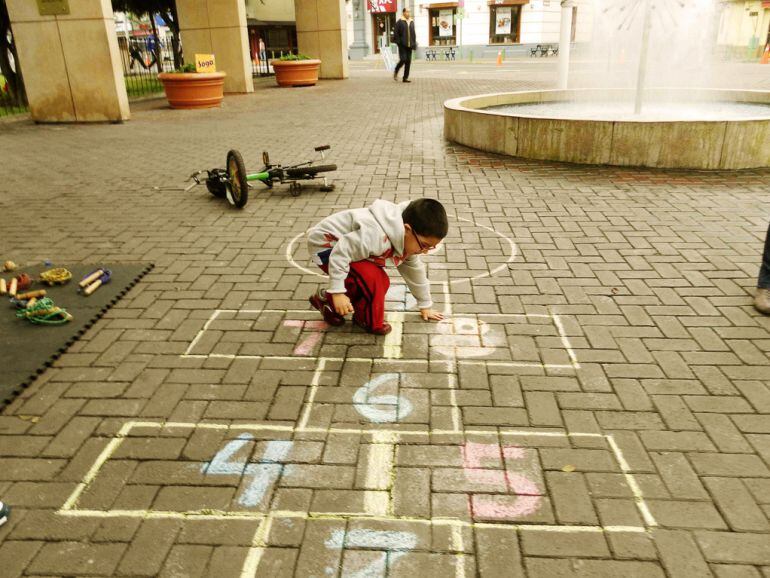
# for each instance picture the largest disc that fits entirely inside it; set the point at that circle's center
(375, 233)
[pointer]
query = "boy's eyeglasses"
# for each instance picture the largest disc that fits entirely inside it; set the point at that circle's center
(423, 248)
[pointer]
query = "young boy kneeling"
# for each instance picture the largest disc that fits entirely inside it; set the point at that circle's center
(353, 246)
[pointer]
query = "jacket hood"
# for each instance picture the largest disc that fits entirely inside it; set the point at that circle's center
(388, 216)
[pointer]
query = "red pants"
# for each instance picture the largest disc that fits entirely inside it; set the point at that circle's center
(366, 286)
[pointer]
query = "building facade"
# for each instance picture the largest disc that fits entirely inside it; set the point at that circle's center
(478, 28)
(482, 28)
(744, 28)
(271, 28)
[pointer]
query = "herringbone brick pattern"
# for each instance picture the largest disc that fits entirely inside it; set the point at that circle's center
(598, 403)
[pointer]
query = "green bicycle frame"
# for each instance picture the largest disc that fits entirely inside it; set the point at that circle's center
(258, 176)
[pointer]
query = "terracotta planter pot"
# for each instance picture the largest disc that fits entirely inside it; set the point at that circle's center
(296, 72)
(193, 89)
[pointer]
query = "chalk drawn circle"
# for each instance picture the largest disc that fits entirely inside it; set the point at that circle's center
(291, 247)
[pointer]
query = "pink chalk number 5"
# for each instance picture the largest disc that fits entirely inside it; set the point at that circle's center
(490, 506)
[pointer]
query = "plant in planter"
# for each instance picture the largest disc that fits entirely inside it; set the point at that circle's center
(186, 88)
(296, 70)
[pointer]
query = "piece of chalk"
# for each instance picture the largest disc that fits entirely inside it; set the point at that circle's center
(31, 294)
(3, 288)
(12, 287)
(93, 287)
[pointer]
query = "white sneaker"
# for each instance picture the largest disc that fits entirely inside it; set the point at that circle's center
(762, 300)
(5, 510)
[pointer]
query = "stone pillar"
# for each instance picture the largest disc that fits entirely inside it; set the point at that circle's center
(321, 34)
(71, 62)
(218, 27)
(359, 49)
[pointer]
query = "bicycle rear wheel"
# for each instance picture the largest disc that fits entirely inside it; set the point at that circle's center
(309, 171)
(236, 173)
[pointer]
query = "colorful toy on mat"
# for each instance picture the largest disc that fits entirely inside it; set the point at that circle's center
(44, 312)
(24, 282)
(94, 280)
(58, 276)
(23, 300)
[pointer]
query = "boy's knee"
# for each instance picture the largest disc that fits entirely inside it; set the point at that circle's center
(381, 280)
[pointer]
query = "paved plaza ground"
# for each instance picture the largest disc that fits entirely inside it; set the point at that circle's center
(597, 403)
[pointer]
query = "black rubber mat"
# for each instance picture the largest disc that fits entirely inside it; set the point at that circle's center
(27, 349)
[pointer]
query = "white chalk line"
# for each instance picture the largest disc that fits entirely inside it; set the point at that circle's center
(206, 325)
(257, 549)
(105, 454)
(447, 300)
(502, 430)
(458, 546)
(225, 516)
(379, 474)
(313, 390)
(393, 348)
(565, 341)
(457, 423)
(384, 360)
(644, 510)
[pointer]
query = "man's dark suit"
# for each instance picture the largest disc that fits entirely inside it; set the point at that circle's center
(406, 40)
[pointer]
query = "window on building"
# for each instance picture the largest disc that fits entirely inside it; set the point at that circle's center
(443, 25)
(504, 24)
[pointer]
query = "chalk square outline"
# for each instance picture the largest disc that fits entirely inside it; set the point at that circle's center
(574, 363)
(69, 509)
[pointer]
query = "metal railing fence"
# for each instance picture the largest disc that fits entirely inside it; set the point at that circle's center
(260, 66)
(142, 61)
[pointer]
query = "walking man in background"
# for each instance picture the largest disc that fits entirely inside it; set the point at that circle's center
(406, 40)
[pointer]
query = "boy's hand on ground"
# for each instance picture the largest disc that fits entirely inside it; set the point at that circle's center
(341, 303)
(429, 314)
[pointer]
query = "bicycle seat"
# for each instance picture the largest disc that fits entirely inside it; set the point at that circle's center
(322, 148)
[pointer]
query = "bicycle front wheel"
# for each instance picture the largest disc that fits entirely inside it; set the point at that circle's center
(236, 175)
(309, 171)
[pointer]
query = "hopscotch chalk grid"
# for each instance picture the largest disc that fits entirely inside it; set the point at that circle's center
(376, 509)
(522, 485)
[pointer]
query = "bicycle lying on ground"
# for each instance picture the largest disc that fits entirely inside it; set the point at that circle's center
(232, 182)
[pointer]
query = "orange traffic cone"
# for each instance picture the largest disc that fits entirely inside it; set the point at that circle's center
(765, 55)
(499, 57)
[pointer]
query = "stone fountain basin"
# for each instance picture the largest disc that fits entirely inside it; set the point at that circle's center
(695, 144)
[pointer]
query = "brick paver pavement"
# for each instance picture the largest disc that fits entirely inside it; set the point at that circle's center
(598, 403)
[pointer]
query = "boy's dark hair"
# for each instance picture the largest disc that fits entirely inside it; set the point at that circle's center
(427, 217)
